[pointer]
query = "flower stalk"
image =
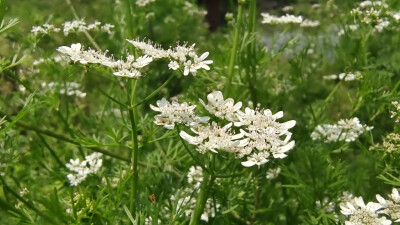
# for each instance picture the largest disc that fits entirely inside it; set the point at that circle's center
(129, 18)
(234, 48)
(134, 154)
(208, 181)
(251, 51)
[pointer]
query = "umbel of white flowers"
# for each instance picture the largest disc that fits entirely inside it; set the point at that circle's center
(180, 57)
(286, 19)
(72, 26)
(345, 130)
(91, 164)
(383, 212)
(254, 134)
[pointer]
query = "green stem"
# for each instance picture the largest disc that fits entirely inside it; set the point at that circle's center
(51, 150)
(251, 51)
(89, 37)
(156, 91)
(129, 18)
(208, 181)
(328, 98)
(134, 163)
(234, 49)
(134, 154)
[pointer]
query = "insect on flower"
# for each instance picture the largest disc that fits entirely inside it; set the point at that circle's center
(153, 198)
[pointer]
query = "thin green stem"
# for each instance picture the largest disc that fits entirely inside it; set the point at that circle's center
(129, 18)
(208, 181)
(252, 50)
(89, 37)
(134, 154)
(328, 98)
(134, 162)
(156, 91)
(52, 152)
(234, 49)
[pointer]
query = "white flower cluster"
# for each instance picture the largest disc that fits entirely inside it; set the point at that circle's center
(345, 76)
(80, 205)
(187, 201)
(128, 68)
(351, 27)
(72, 26)
(361, 214)
(310, 23)
(213, 137)
(180, 57)
(193, 9)
(288, 8)
(326, 205)
(259, 136)
(273, 173)
(22, 192)
(223, 109)
(286, 19)
(395, 113)
(345, 130)
(174, 112)
(391, 144)
(56, 58)
(44, 29)
(91, 164)
(149, 221)
(271, 19)
(375, 13)
(69, 88)
(143, 3)
(391, 207)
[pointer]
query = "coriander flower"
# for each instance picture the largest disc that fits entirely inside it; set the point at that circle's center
(173, 65)
(91, 164)
(267, 137)
(361, 214)
(174, 112)
(271, 19)
(213, 138)
(345, 76)
(223, 109)
(142, 3)
(149, 49)
(181, 56)
(44, 29)
(345, 130)
(273, 173)
(195, 176)
(391, 207)
(310, 23)
(129, 68)
(187, 56)
(74, 52)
